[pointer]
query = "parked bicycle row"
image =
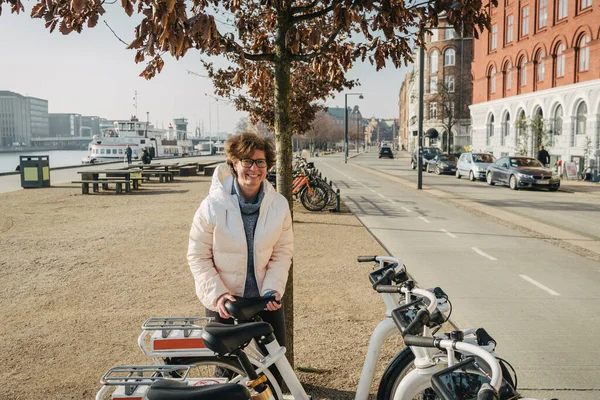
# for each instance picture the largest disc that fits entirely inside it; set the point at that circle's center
(515, 171)
(458, 365)
(309, 187)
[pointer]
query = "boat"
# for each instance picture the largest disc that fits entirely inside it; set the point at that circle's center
(111, 145)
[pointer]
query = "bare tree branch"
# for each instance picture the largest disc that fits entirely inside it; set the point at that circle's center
(114, 33)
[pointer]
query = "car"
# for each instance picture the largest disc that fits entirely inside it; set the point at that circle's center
(386, 152)
(474, 165)
(520, 172)
(442, 164)
(428, 154)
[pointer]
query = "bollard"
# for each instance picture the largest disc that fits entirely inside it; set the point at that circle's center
(337, 205)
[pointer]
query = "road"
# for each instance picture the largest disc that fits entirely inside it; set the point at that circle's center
(538, 300)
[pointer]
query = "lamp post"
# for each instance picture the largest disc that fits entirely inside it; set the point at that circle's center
(360, 96)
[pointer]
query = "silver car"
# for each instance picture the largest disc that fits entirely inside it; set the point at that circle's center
(473, 165)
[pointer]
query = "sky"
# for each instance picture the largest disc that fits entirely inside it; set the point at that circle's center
(93, 74)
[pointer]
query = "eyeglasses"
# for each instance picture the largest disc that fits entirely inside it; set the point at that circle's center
(248, 162)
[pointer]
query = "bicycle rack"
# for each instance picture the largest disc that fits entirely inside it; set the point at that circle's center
(173, 337)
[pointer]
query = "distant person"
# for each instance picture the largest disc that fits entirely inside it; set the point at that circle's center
(543, 156)
(128, 153)
(146, 158)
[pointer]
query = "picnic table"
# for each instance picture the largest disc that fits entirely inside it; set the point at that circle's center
(119, 177)
(156, 166)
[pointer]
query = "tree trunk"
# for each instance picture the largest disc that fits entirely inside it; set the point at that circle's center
(283, 137)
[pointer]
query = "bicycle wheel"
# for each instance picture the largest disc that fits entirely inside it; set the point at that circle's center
(315, 202)
(401, 365)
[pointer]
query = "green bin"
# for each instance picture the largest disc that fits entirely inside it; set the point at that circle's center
(35, 171)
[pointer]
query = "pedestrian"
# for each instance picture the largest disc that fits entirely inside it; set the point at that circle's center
(128, 153)
(543, 156)
(241, 240)
(146, 157)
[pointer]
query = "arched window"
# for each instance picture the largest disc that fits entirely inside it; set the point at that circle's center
(580, 127)
(507, 76)
(540, 65)
(560, 60)
(523, 71)
(557, 121)
(492, 78)
(433, 62)
(449, 57)
(490, 129)
(505, 126)
(584, 53)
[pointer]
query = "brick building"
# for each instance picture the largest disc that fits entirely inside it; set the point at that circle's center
(535, 79)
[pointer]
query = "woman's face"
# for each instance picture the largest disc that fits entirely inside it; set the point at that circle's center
(250, 178)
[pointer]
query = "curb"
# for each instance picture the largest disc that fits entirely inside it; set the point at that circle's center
(541, 230)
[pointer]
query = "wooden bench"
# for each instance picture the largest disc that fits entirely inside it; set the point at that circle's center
(188, 170)
(209, 170)
(85, 185)
(163, 176)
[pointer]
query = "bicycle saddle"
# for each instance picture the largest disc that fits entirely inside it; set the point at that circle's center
(163, 389)
(225, 339)
(245, 309)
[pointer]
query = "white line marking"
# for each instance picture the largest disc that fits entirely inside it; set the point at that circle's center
(380, 195)
(425, 219)
(536, 283)
(372, 191)
(452, 235)
(406, 209)
(481, 253)
(391, 201)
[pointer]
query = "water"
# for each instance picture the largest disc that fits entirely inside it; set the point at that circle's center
(58, 158)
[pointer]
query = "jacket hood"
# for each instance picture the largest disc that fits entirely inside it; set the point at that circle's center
(222, 182)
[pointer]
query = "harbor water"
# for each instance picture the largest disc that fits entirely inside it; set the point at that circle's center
(58, 158)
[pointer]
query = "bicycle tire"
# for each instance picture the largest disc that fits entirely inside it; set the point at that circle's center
(397, 369)
(315, 202)
(230, 363)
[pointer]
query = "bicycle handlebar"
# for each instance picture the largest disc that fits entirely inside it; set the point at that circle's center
(366, 258)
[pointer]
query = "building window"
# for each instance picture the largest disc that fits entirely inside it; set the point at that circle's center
(506, 125)
(580, 127)
(523, 72)
(510, 24)
(449, 82)
(490, 130)
(585, 4)
(450, 33)
(525, 21)
(543, 14)
(507, 76)
(560, 60)
(434, 35)
(558, 122)
(540, 66)
(433, 83)
(493, 80)
(562, 9)
(449, 57)
(432, 110)
(584, 53)
(433, 64)
(494, 37)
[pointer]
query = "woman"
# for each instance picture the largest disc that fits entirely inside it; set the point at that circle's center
(241, 241)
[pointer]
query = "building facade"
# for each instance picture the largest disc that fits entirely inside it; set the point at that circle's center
(536, 80)
(66, 125)
(403, 132)
(21, 118)
(447, 91)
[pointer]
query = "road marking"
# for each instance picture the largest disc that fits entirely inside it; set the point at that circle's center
(372, 191)
(536, 283)
(425, 219)
(452, 235)
(481, 253)
(406, 209)
(391, 201)
(380, 195)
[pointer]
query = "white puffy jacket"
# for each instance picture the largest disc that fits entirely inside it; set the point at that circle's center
(218, 253)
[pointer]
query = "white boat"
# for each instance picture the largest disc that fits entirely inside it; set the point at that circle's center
(111, 145)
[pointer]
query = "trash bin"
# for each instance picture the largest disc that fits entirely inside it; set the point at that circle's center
(35, 171)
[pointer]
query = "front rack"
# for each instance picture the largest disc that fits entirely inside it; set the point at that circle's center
(131, 376)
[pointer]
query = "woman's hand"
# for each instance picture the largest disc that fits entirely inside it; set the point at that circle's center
(221, 305)
(274, 305)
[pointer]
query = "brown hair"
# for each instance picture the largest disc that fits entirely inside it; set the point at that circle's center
(242, 146)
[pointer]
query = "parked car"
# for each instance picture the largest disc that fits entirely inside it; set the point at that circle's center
(442, 164)
(386, 152)
(428, 154)
(474, 165)
(518, 172)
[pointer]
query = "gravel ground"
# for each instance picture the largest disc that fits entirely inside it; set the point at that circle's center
(80, 273)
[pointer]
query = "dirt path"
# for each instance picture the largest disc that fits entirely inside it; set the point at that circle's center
(81, 273)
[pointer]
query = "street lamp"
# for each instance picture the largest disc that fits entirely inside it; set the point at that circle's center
(360, 96)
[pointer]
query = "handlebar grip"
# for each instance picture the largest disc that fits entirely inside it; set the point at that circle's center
(417, 324)
(366, 258)
(484, 338)
(388, 289)
(486, 393)
(419, 341)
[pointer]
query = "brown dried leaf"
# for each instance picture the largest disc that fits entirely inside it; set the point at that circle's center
(92, 21)
(38, 10)
(78, 5)
(171, 5)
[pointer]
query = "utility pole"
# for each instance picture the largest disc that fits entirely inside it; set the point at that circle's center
(420, 137)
